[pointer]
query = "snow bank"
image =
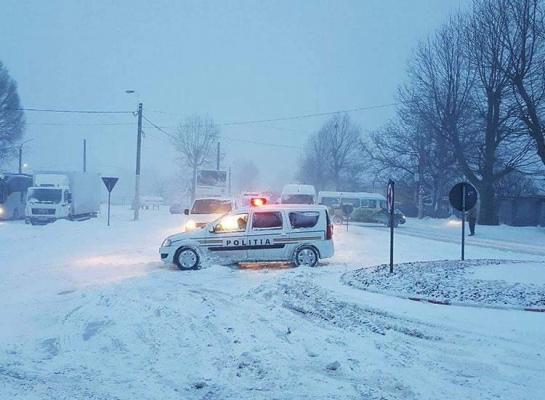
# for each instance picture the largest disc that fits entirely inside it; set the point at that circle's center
(500, 283)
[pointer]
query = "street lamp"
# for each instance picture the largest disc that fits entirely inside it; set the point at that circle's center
(21, 155)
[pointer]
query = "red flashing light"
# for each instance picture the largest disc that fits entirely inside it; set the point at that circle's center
(258, 201)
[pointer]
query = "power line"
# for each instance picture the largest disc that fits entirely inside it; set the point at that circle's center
(171, 136)
(50, 110)
(78, 124)
(296, 117)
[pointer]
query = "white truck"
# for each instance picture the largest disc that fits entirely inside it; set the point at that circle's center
(63, 195)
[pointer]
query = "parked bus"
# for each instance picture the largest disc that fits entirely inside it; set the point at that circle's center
(13, 192)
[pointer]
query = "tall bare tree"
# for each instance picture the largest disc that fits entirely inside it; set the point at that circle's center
(332, 154)
(523, 36)
(194, 141)
(12, 119)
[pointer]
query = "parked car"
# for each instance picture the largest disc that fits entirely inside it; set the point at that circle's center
(176, 208)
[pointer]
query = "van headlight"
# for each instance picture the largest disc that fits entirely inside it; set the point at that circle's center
(166, 243)
(190, 225)
(1, 211)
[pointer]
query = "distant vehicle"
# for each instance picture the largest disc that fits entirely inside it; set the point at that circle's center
(13, 192)
(301, 234)
(207, 210)
(298, 194)
(153, 202)
(368, 207)
(210, 183)
(63, 195)
(246, 198)
(176, 208)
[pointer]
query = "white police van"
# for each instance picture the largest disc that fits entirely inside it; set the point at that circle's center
(301, 234)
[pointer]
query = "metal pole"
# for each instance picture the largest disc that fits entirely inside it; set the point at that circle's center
(229, 181)
(392, 229)
(21, 159)
(84, 155)
(218, 158)
(109, 194)
(138, 151)
(463, 220)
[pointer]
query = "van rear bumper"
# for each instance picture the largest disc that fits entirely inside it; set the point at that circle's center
(326, 249)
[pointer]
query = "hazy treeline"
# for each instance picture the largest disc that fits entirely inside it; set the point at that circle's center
(471, 107)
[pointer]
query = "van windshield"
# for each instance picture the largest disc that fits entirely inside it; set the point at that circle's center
(211, 206)
(297, 199)
(43, 195)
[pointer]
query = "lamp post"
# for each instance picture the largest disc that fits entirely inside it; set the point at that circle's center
(21, 155)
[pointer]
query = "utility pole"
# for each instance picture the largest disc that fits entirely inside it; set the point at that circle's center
(218, 158)
(21, 159)
(84, 155)
(229, 187)
(138, 151)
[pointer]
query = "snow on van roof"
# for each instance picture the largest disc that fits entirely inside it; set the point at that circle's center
(280, 207)
(360, 195)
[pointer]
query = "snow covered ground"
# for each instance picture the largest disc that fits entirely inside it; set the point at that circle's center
(484, 283)
(88, 312)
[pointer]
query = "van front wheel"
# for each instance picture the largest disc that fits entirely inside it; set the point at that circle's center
(306, 255)
(186, 258)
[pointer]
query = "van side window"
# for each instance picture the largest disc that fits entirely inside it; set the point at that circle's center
(304, 219)
(267, 220)
(354, 202)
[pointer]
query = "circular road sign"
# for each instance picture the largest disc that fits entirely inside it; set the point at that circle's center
(456, 196)
(390, 196)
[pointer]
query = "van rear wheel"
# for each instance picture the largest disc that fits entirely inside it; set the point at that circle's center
(306, 255)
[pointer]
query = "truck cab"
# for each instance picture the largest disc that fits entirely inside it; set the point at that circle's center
(70, 195)
(49, 199)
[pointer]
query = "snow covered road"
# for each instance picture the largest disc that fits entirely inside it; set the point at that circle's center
(90, 313)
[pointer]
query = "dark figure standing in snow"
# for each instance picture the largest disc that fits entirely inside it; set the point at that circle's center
(472, 219)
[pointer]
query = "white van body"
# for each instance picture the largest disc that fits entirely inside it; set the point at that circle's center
(295, 233)
(206, 210)
(63, 195)
(298, 194)
(356, 199)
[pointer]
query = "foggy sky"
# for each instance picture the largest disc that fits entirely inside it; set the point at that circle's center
(236, 61)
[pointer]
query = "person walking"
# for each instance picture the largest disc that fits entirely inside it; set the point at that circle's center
(472, 220)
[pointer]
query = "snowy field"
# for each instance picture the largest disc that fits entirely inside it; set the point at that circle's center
(88, 312)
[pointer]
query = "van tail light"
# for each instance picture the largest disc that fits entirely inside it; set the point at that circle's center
(329, 232)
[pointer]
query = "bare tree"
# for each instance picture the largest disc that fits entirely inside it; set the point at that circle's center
(343, 137)
(332, 154)
(194, 140)
(245, 174)
(12, 120)
(523, 36)
(313, 168)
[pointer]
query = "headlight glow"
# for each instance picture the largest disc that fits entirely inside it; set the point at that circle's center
(1, 210)
(190, 225)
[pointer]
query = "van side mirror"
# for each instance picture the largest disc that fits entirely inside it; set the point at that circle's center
(186, 211)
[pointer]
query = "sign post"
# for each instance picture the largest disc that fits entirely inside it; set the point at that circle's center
(347, 211)
(109, 182)
(463, 197)
(390, 197)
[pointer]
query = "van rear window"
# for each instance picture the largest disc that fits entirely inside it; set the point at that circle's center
(304, 219)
